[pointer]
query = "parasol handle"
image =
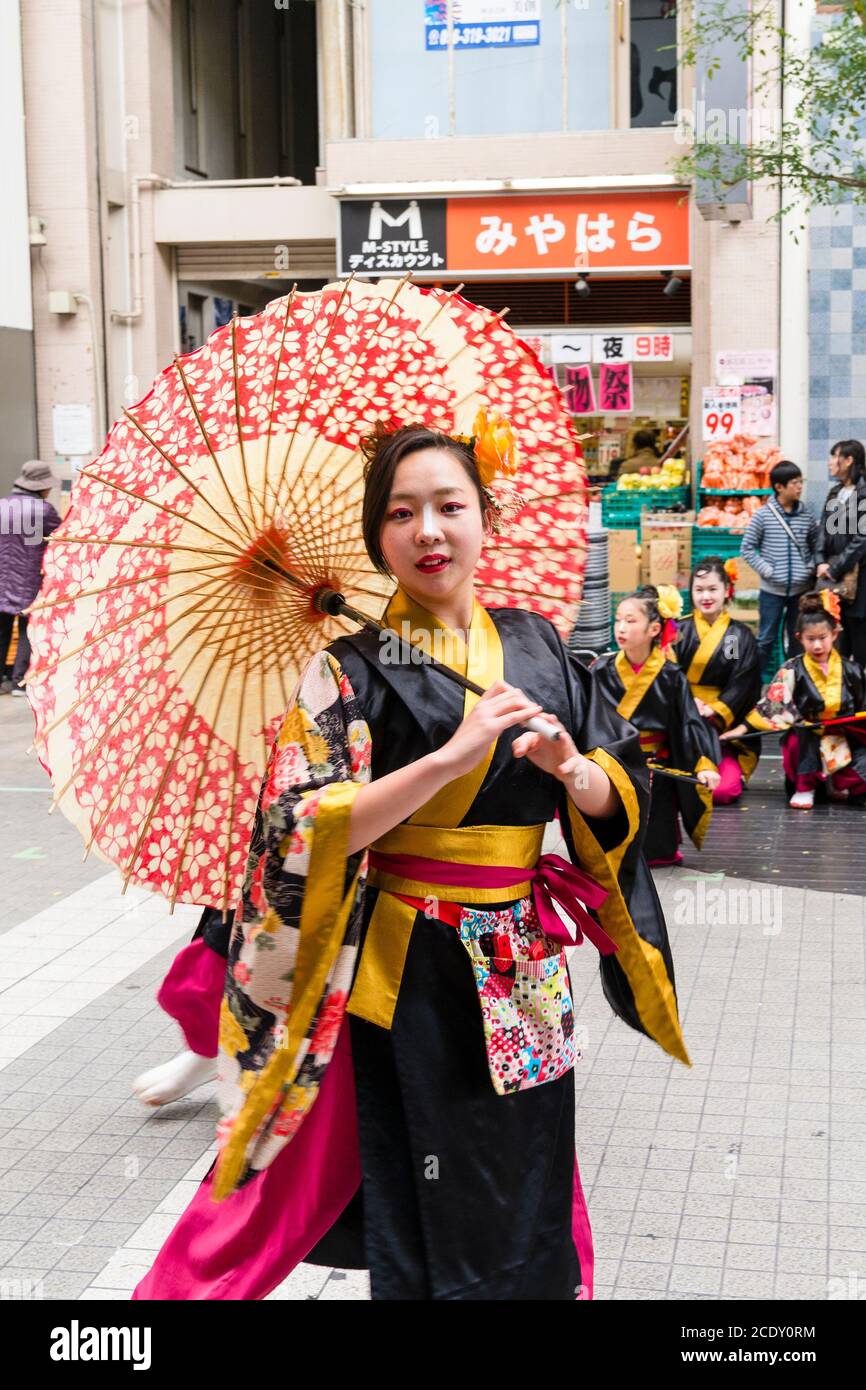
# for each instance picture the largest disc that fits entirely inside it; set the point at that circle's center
(659, 770)
(335, 605)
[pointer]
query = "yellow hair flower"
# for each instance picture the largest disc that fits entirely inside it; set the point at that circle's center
(732, 570)
(670, 602)
(494, 447)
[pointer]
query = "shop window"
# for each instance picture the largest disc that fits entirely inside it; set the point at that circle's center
(653, 75)
(245, 89)
(192, 333)
(540, 67)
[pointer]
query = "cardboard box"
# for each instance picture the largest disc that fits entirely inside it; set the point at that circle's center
(663, 562)
(623, 561)
(748, 580)
(676, 529)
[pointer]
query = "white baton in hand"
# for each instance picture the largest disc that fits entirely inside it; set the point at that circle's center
(545, 728)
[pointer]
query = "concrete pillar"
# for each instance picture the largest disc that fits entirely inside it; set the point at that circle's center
(334, 95)
(99, 106)
(735, 284)
(139, 124)
(794, 293)
(17, 378)
(63, 179)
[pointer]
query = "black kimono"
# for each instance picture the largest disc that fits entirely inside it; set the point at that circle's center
(658, 701)
(721, 663)
(446, 1163)
(801, 690)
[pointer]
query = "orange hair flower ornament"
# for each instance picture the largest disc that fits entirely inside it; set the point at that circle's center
(831, 604)
(494, 446)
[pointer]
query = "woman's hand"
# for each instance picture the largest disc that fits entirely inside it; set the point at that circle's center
(587, 784)
(736, 731)
(560, 758)
(709, 779)
(499, 709)
(823, 572)
(703, 708)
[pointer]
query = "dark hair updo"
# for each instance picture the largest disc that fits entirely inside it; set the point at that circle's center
(711, 564)
(648, 598)
(383, 450)
(811, 611)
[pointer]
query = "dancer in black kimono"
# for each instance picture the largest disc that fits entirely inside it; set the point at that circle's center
(816, 685)
(398, 1034)
(651, 691)
(719, 655)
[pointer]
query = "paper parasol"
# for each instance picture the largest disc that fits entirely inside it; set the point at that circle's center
(166, 639)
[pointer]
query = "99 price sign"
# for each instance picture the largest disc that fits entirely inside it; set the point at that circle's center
(721, 414)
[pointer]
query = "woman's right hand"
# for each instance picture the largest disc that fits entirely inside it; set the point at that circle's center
(499, 709)
(822, 572)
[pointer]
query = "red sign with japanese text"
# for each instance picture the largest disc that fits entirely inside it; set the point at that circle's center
(558, 234)
(614, 387)
(579, 392)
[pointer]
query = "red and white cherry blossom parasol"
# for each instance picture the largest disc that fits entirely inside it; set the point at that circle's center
(166, 638)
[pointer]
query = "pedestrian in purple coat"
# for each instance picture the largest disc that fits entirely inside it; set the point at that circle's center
(26, 521)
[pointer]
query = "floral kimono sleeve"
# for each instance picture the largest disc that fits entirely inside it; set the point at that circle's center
(777, 709)
(298, 924)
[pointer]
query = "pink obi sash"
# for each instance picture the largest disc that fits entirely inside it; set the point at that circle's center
(552, 879)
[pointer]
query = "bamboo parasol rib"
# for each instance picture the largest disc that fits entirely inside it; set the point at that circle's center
(215, 547)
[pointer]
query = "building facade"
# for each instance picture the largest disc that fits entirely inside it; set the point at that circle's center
(189, 159)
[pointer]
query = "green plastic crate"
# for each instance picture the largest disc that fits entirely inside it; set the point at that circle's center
(715, 540)
(622, 510)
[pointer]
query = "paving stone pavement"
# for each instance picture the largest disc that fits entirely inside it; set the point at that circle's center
(739, 1177)
(41, 855)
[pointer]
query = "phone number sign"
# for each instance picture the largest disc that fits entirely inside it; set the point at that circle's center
(483, 24)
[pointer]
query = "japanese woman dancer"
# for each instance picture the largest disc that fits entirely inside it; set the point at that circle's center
(397, 1034)
(720, 658)
(651, 691)
(818, 684)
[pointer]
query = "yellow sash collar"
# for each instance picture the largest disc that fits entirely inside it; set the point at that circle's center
(377, 983)
(710, 637)
(829, 686)
(481, 661)
(637, 683)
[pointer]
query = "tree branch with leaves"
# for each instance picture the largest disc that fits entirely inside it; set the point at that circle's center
(814, 148)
